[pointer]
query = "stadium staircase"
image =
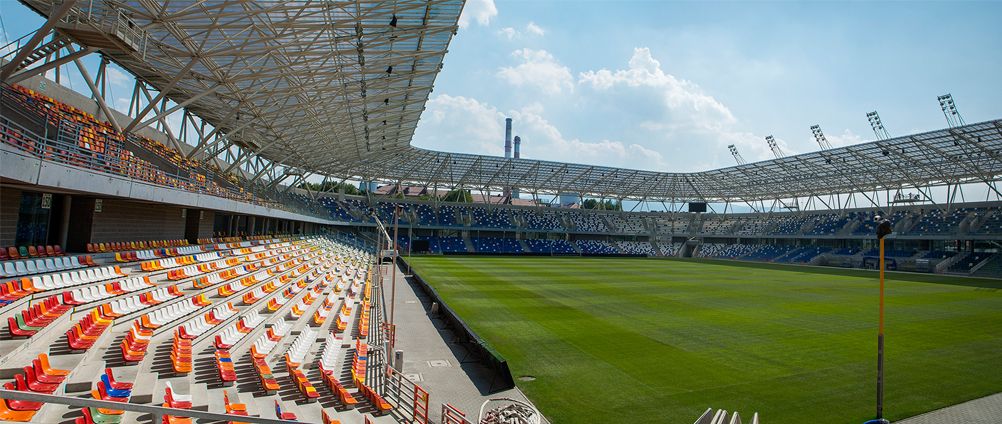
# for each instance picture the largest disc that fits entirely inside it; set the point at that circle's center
(663, 250)
(608, 224)
(948, 262)
(469, 244)
(525, 247)
(577, 249)
(991, 267)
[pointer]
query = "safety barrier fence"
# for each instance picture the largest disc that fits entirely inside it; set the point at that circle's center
(73, 144)
(156, 412)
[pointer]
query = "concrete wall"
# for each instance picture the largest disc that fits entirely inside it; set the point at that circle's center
(205, 224)
(10, 202)
(19, 166)
(121, 220)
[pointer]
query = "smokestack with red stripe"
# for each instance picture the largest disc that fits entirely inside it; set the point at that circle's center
(507, 138)
(518, 141)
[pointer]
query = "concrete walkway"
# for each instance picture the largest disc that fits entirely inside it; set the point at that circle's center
(442, 367)
(986, 410)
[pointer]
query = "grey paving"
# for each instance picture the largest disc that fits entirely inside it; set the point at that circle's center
(441, 366)
(986, 410)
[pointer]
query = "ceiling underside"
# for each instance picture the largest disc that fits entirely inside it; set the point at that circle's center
(338, 87)
(304, 83)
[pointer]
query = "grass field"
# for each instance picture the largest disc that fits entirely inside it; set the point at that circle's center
(645, 340)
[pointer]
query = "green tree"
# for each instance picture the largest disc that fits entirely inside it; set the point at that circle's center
(331, 186)
(610, 205)
(458, 195)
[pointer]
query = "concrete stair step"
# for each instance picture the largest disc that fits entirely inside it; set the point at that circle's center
(215, 401)
(200, 397)
(144, 387)
(83, 377)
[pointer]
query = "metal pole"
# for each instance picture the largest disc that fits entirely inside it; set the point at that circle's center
(880, 340)
(393, 269)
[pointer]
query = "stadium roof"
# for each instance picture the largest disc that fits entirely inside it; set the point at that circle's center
(961, 155)
(305, 83)
(337, 88)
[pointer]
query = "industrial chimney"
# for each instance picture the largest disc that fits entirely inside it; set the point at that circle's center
(518, 141)
(507, 138)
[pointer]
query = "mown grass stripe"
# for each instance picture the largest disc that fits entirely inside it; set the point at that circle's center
(615, 340)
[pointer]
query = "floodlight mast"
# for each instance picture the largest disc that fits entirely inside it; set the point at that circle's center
(953, 118)
(820, 137)
(776, 151)
(737, 156)
(877, 126)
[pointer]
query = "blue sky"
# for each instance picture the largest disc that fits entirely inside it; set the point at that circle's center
(668, 85)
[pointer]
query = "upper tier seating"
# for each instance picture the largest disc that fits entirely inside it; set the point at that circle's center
(596, 247)
(627, 223)
(495, 218)
(81, 140)
(587, 222)
(938, 221)
(542, 219)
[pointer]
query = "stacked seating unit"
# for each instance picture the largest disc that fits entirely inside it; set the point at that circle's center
(28, 252)
(36, 317)
(173, 399)
(38, 377)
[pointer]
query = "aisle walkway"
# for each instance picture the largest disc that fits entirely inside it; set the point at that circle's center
(442, 367)
(986, 410)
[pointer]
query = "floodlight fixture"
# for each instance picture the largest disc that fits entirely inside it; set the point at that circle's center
(953, 118)
(877, 126)
(774, 146)
(819, 137)
(737, 156)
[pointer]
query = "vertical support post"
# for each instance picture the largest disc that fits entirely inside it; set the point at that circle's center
(393, 269)
(64, 229)
(880, 340)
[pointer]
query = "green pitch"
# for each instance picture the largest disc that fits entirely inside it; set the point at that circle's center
(646, 340)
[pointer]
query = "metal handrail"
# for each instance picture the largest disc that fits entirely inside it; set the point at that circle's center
(59, 144)
(63, 148)
(157, 412)
(17, 46)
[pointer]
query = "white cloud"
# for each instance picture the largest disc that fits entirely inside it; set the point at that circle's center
(121, 104)
(6, 49)
(539, 70)
(531, 30)
(118, 77)
(675, 112)
(534, 29)
(462, 124)
(480, 11)
(846, 138)
(662, 122)
(684, 98)
(508, 32)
